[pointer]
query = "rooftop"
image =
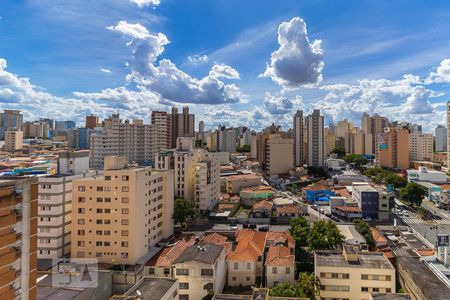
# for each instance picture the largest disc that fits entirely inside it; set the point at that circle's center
(280, 256)
(150, 288)
(250, 245)
(243, 177)
(202, 252)
(366, 260)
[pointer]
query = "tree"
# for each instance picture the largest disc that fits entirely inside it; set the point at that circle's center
(339, 151)
(395, 180)
(244, 148)
(421, 212)
(356, 159)
(183, 209)
(324, 235)
(306, 286)
(300, 230)
(413, 194)
(364, 229)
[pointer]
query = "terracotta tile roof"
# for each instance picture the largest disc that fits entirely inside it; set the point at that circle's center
(167, 256)
(250, 245)
(288, 209)
(221, 207)
(445, 187)
(316, 188)
(218, 239)
(277, 237)
(354, 209)
(279, 256)
(263, 204)
(259, 188)
(343, 192)
(425, 252)
(378, 237)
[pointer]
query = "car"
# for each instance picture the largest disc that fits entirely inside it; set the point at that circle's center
(263, 228)
(400, 213)
(315, 207)
(367, 219)
(233, 227)
(335, 218)
(321, 210)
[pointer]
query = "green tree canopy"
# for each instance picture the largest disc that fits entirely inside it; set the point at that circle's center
(244, 148)
(306, 286)
(284, 289)
(300, 230)
(324, 235)
(183, 209)
(339, 151)
(413, 194)
(364, 229)
(395, 180)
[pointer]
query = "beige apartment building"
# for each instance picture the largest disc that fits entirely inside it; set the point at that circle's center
(236, 183)
(372, 126)
(13, 140)
(329, 141)
(18, 235)
(118, 216)
(161, 120)
(197, 173)
(420, 147)
(353, 275)
(392, 148)
(279, 156)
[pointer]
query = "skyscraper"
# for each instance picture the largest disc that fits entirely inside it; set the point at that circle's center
(441, 138)
(372, 126)
(11, 119)
(182, 125)
(161, 120)
(91, 121)
(298, 138)
(315, 139)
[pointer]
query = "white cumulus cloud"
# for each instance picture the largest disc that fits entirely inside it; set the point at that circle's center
(442, 73)
(224, 71)
(143, 3)
(197, 59)
(297, 62)
(136, 31)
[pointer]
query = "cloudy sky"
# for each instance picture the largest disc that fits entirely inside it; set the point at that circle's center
(233, 62)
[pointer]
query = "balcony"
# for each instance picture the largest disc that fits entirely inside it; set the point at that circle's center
(8, 201)
(9, 257)
(8, 220)
(8, 277)
(8, 239)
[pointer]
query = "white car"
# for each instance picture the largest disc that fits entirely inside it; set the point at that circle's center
(367, 219)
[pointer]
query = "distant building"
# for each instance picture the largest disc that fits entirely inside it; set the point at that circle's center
(13, 140)
(315, 139)
(420, 146)
(298, 139)
(392, 148)
(279, 156)
(91, 121)
(372, 126)
(161, 120)
(182, 125)
(374, 203)
(329, 141)
(11, 119)
(448, 133)
(424, 174)
(441, 138)
(118, 216)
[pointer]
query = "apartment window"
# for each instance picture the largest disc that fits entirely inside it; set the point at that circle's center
(364, 289)
(106, 221)
(365, 277)
(124, 233)
(375, 277)
(388, 277)
(125, 178)
(334, 275)
(107, 177)
(184, 285)
(125, 189)
(323, 275)
(125, 222)
(107, 199)
(274, 270)
(80, 232)
(184, 297)
(80, 243)
(166, 271)
(233, 278)
(80, 254)
(124, 255)
(107, 210)
(99, 221)
(248, 266)
(125, 211)
(99, 189)
(345, 276)
(99, 210)
(98, 232)
(107, 232)
(81, 199)
(125, 200)
(81, 188)
(236, 266)
(184, 272)
(247, 278)
(288, 270)
(99, 199)
(207, 272)
(98, 244)
(375, 290)
(80, 221)
(98, 254)
(81, 210)
(107, 244)
(124, 244)
(388, 290)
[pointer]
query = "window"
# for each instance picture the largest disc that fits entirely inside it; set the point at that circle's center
(388, 277)
(81, 210)
(236, 266)
(80, 232)
(99, 189)
(207, 272)
(124, 244)
(233, 278)
(99, 221)
(184, 297)
(81, 188)
(249, 266)
(125, 189)
(274, 270)
(183, 272)
(184, 285)
(288, 270)
(125, 222)
(151, 271)
(365, 277)
(80, 243)
(107, 199)
(375, 277)
(99, 210)
(247, 278)
(124, 255)
(81, 199)
(107, 177)
(98, 244)
(125, 200)
(364, 289)
(124, 233)
(334, 275)
(166, 271)
(99, 199)
(388, 290)
(80, 221)
(375, 290)
(98, 232)
(125, 178)
(345, 276)
(125, 211)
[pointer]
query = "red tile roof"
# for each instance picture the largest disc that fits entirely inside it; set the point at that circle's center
(218, 239)
(289, 209)
(168, 255)
(316, 188)
(276, 237)
(378, 237)
(354, 209)
(243, 177)
(263, 204)
(250, 245)
(279, 256)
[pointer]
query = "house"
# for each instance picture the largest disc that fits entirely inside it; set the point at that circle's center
(261, 212)
(280, 265)
(285, 212)
(236, 183)
(219, 239)
(251, 195)
(201, 269)
(245, 262)
(314, 192)
(160, 265)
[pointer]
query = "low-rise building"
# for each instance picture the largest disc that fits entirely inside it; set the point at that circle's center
(261, 212)
(280, 265)
(424, 174)
(352, 274)
(314, 192)
(251, 195)
(201, 269)
(152, 288)
(236, 183)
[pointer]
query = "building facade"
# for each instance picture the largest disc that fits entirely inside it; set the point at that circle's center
(392, 148)
(13, 140)
(315, 139)
(298, 139)
(441, 138)
(420, 147)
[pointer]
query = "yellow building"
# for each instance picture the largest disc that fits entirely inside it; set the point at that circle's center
(118, 216)
(13, 140)
(392, 150)
(353, 275)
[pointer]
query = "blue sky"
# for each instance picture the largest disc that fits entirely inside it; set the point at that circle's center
(63, 59)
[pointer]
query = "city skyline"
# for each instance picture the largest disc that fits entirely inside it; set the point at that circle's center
(133, 57)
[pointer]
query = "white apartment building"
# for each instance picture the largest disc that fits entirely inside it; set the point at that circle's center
(55, 204)
(441, 138)
(420, 146)
(136, 141)
(197, 173)
(227, 140)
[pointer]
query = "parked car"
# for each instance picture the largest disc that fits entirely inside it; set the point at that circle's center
(367, 219)
(335, 218)
(321, 210)
(315, 207)
(263, 228)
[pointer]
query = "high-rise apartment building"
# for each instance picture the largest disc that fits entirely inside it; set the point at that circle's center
(182, 125)
(226, 139)
(315, 139)
(448, 133)
(441, 138)
(343, 128)
(11, 119)
(279, 158)
(392, 148)
(134, 140)
(79, 138)
(36, 130)
(161, 120)
(197, 173)
(18, 239)
(420, 147)
(118, 216)
(13, 140)
(330, 141)
(298, 139)
(55, 204)
(91, 121)
(372, 126)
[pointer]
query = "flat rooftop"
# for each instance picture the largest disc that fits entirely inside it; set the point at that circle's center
(151, 288)
(367, 260)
